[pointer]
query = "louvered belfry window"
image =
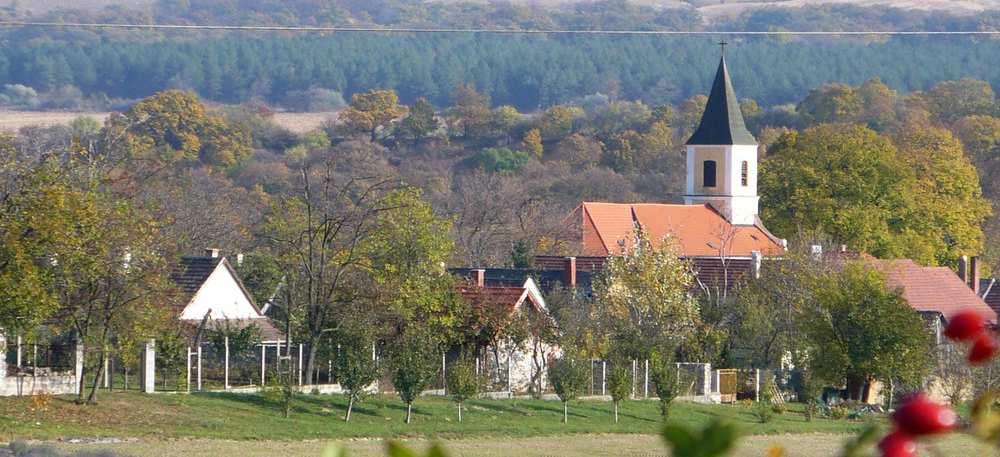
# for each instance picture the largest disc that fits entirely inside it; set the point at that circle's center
(744, 173)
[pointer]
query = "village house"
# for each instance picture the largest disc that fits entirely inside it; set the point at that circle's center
(215, 297)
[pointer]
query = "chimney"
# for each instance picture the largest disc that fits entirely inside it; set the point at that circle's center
(757, 259)
(570, 271)
(212, 252)
(480, 277)
(974, 274)
(963, 269)
(239, 259)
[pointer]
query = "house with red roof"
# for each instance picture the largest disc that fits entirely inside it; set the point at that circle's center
(501, 297)
(937, 293)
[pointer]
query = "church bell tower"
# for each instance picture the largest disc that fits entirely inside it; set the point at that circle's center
(722, 156)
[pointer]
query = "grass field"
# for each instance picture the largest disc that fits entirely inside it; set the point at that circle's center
(251, 426)
(252, 417)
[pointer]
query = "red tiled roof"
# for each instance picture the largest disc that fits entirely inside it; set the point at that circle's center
(935, 289)
(506, 296)
(699, 229)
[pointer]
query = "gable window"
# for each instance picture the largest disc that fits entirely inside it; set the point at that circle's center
(708, 175)
(744, 173)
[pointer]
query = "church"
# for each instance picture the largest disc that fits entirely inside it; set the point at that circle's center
(717, 227)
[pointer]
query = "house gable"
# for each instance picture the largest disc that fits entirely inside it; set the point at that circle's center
(223, 295)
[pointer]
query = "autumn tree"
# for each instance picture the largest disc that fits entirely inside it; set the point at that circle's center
(355, 363)
(170, 128)
(645, 299)
(414, 358)
(532, 143)
(371, 111)
(835, 102)
(469, 112)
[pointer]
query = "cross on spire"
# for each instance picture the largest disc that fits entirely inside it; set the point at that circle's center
(722, 44)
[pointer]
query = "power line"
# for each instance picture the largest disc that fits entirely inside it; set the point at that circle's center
(309, 29)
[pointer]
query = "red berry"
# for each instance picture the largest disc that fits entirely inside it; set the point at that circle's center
(965, 326)
(983, 349)
(919, 415)
(898, 444)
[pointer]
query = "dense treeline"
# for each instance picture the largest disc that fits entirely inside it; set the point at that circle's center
(524, 71)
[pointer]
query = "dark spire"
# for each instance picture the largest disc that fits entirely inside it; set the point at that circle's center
(722, 123)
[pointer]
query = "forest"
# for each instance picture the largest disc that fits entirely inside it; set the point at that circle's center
(88, 69)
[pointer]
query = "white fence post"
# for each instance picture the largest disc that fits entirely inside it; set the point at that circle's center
(510, 388)
(604, 377)
(107, 375)
(189, 368)
(78, 368)
(444, 374)
(149, 367)
(634, 372)
(645, 390)
(199, 368)
(225, 342)
(300, 366)
(263, 357)
(19, 342)
(756, 385)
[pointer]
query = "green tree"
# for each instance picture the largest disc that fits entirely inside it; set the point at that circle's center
(848, 334)
(569, 377)
(949, 101)
(854, 186)
(414, 359)
(619, 382)
(831, 103)
(663, 374)
(470, 112)
(355, 365)
(462, 381)
(950, 209)
(419, 123)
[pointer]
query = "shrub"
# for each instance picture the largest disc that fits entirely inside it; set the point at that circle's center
(499, 160)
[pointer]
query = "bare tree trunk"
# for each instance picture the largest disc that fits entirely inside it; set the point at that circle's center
(311, 361)
(565, 412)
(409, 412)
(350, 406)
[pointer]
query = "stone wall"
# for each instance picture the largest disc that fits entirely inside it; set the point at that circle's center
(15, 384)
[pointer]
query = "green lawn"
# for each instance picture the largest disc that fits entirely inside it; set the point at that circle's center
(252, 417)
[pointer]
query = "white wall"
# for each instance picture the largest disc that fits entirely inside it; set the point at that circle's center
(223, 296)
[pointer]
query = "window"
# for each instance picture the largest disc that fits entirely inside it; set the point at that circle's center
(708, 177)
(744, 173)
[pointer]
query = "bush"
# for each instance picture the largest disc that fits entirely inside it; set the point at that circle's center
(838, 412)
(764, 411)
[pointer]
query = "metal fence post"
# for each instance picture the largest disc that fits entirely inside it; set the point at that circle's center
(225, 342)
(148, 367)
(444, 374)
(107, 374)
(19, 342)
(300, 366)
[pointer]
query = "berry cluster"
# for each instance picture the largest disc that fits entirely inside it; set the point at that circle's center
(969, 327)
(917, 416)
(920, 416)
